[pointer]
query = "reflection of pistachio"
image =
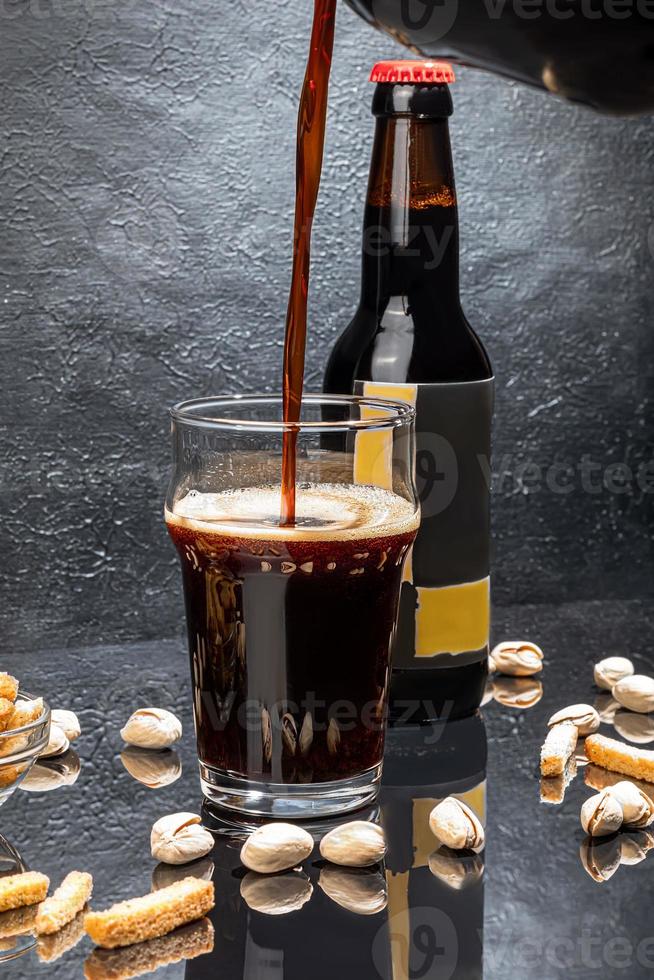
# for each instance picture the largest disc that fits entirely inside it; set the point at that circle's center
(456, 826)
(306, 733)
(601, 815)
(489, 692)
(455, 869)
(276, 847)
(637, 807)
(357, 844)
(608, 672)
(517, 692)
(634, 847)
(600, 858)
(584, 716)
(50, 774)
(266, 735)
(606, 707)
(289, 734)
(634, 727)
(333, 737)
(276, 894)
(517, 658)
(152, 768)
(359, 890)
(167, 874)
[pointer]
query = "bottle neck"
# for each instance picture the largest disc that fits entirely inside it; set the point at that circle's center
(411, 227)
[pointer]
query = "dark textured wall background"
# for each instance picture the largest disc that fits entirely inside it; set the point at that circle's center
(146, 185)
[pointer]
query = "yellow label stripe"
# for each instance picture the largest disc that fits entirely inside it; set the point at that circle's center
(453, 619)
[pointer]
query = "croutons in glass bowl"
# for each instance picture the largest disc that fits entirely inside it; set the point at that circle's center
(24, 734)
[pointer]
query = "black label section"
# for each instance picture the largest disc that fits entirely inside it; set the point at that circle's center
(453, 439)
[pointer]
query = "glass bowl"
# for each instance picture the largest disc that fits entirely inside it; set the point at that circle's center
(20, 747)
(14, 939)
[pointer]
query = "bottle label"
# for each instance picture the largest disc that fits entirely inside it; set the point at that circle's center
(445, 602)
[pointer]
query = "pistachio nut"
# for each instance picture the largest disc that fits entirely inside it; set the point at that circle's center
(637, 807)
(456, 826)
(358, 844)
(359, 890)
(306, 733)
(601, 814)
(57, 743)
(517, 658)
(152, 728)
(153, 769)
(276, 894)
(584, 716)
(600, 857)
(634, 727)
(180, 838)
(635, 693)
(608, 672)
(276, 847)
(67, 721)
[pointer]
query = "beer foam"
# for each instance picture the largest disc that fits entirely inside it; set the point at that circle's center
(324, 511)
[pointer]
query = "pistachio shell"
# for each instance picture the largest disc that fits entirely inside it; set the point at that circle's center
(276, 847)
(180, 838)
(152, 728)
(68, 722)
(518, 658)
(584, 716)
(357, 844)
(635, 693)
(456, 826)
(637, 807)
(609, 671)
(601, 814)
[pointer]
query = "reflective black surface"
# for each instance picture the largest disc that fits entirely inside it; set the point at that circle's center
(527, 904)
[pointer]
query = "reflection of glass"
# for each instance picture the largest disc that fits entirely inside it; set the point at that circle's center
(435, 896)
(15, 926)
(316, 921)
(290, 627)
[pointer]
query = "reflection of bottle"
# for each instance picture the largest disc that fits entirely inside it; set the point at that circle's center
(340, 914)
(435, 896)
(410, 339)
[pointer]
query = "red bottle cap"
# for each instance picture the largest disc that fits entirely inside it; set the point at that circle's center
(413, 72)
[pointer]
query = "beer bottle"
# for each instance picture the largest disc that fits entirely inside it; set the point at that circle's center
(410, 339)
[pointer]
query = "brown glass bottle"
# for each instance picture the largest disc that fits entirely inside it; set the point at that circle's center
(410, 338)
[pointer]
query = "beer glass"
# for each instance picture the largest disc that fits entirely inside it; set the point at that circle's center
(290, 628)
